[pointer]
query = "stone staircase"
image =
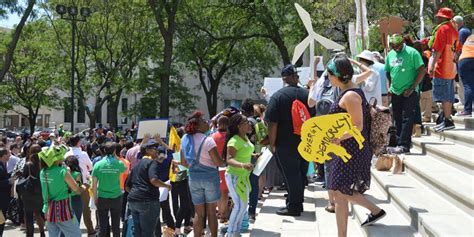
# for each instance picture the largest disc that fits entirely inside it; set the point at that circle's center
(433, 197)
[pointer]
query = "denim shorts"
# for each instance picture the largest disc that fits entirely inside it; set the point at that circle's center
(443, 90)
(205, 191)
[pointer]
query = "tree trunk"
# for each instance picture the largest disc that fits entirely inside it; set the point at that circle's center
(211, 101)
(32, 120)
(285, 56)
(114, 103)
(91, 119)
(15, 39)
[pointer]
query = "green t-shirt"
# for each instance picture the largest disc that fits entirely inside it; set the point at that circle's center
(403, 68)
(57, 187)
(243, 154)
(74, 175)
(107, 171)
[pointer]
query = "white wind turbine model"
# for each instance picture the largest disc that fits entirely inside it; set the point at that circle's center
(312, 36)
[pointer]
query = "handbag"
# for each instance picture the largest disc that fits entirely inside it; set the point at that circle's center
(58, 211)
(25, 184)
(384, 162)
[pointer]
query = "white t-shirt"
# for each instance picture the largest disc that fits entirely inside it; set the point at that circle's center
(85, 162)
(209, 143)
(372, 86)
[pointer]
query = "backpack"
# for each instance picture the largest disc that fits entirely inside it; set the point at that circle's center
(380, 122)
(327, 97)
(187, 147)
(299, 114)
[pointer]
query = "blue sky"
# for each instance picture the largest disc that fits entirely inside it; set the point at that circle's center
(12, 19)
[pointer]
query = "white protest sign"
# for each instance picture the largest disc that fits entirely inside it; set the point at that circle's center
(272, 85)
(262, 161)
(304, 73)
(152, 127)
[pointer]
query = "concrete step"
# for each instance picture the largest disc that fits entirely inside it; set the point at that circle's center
(460, 136)
(456, 187)
(394, 224)
(458, 156)
(466, 122)
(268, 223)
(326, 221)
(428, 213)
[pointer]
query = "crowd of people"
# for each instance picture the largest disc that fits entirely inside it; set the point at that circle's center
(206, 165)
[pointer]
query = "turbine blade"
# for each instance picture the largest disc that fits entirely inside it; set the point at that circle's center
(300, 48)
(305, 17)
(327, 43)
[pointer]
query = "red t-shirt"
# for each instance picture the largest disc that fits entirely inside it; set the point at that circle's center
(219, 138)
(447, 44)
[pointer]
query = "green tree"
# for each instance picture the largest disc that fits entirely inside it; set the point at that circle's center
(147, 106)
(32, 78)
(114, 42)
(209, 44)
(165, 12)
(14, 6)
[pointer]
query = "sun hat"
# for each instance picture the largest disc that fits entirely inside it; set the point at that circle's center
(367, 55)
(445, 12)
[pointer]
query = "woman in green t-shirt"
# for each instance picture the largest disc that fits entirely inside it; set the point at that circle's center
(76, 202)
(56, 181)
(238, 151)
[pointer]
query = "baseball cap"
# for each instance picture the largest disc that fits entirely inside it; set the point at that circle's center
(458, 19)
(445, 12)
(288, 70)
(152, 145)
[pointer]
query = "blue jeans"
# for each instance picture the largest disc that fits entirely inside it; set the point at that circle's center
(466, 72)
(204, 185)
(240, 206)
(253, 197)
(145, 215)
(68, 228)
(76, 204)
(404, 115)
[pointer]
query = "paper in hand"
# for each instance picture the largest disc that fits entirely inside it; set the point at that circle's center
(262, 161)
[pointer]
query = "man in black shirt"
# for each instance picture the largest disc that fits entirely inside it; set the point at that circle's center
(144, 194)
(285, 143)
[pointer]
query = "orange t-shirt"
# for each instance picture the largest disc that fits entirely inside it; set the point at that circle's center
(124, 175)
(467, 50)
(219, 138)
(447, 44)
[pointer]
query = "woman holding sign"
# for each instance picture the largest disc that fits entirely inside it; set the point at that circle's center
(350, 180)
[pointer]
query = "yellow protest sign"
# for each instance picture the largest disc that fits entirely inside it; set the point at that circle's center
(318, 132)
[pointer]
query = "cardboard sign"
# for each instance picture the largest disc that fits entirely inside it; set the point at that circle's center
(152, 127)
(318, 133)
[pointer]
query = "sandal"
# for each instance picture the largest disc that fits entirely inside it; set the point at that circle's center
(330, 208)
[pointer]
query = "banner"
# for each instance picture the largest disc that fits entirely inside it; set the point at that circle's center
(318, 133)
(362, 26)
(422, 20)
(352, 39)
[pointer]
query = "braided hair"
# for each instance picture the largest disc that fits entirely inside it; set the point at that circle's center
(192, 123)
(232, 130)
